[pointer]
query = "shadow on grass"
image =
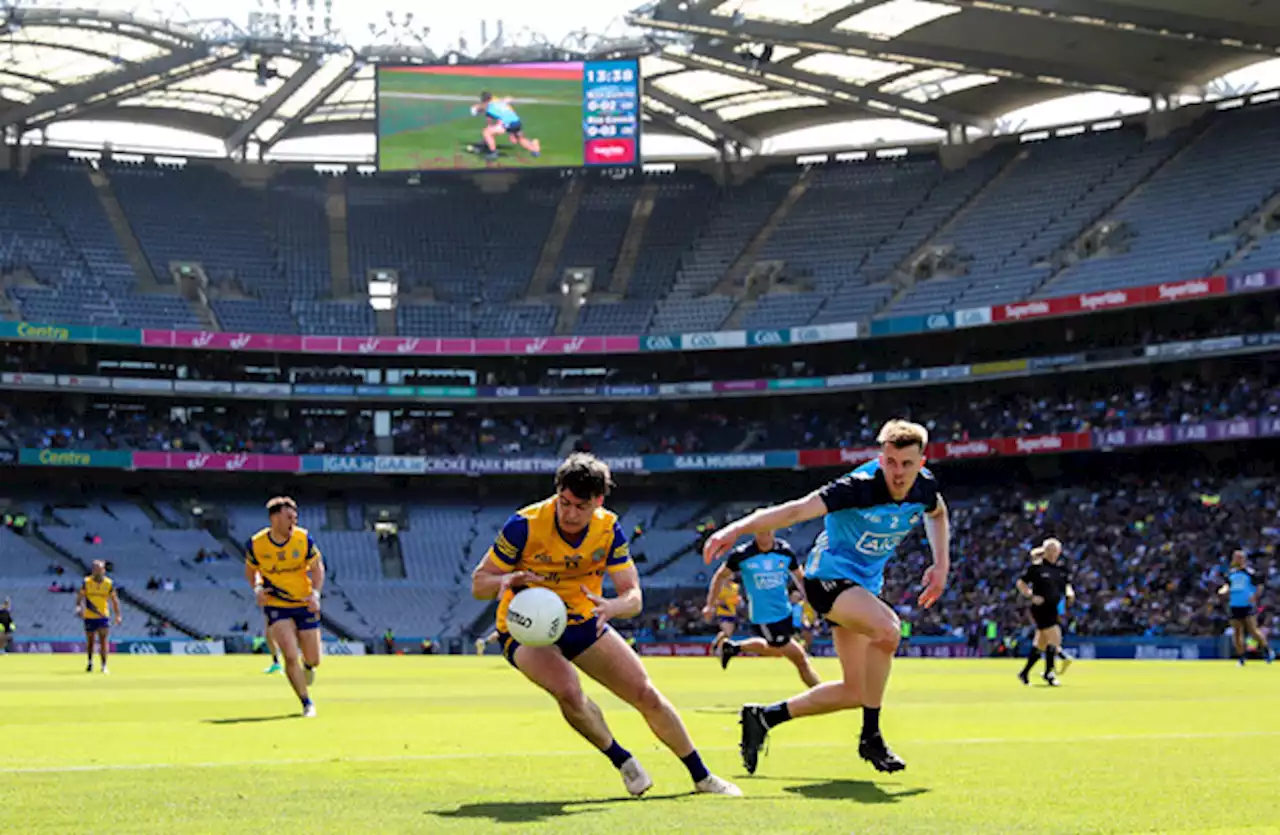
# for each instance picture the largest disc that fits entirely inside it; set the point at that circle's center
(247, 720)
(534, 811)
(859, 791)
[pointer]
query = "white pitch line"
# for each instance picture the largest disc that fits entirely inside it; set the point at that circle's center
(93, 767)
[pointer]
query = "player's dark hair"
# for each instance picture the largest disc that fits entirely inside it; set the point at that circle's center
(486, 96)
(584, 475)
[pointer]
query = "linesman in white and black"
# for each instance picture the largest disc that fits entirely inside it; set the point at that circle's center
(1046, 584)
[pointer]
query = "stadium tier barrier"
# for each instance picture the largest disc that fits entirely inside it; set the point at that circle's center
(1104, 440)
(1161, 293)
(1025, 366)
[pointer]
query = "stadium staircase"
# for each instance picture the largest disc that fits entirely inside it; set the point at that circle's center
(629, 254)
(1252, 232)
(902, 278)
(1065, 259)
(566, 211)
(58, 555)
(335, 209)
(737, 272)
(128, 241)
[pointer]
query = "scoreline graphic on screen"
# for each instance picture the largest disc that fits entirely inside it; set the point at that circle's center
(484, 116)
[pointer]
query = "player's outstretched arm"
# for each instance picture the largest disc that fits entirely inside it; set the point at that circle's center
(766, 519)
(628, 601)
(937, 527)
(713, 590)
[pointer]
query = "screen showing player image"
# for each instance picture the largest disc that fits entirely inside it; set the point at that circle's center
(567, 114)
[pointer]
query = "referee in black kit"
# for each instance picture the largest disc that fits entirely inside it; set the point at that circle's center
(1046, 583)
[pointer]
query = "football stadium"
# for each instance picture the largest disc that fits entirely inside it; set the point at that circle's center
(765, 416)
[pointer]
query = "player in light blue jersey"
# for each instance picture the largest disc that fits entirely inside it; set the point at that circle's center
(501, 117)
(1243, 596)
(868, 514)
(766, 565)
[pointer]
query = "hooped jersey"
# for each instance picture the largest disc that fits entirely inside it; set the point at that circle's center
(284, 566)
(864, 525)
(97, 598)
(531, 541)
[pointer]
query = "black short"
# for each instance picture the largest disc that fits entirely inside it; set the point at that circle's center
(776, 634)
(515, 129)
(1241, 612)
(822, 594)
(1045, 616)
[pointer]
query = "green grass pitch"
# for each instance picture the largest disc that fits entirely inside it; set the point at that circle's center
(465, 745)
(425, 122)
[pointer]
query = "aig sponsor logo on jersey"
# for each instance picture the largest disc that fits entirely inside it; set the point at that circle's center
(770, 581)
(880, 543)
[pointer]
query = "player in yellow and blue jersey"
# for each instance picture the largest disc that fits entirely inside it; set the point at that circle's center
(501, 117)
(95, 603)
(568, 543)
(1242, 593)
(723, 606)
(867, 514)
(285, 568)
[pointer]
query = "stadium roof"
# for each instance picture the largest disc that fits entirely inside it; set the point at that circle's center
(743, 70)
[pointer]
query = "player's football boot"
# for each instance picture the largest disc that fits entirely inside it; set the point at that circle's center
(273, 669)
(754, 732)
(635, 778)
(1050, 679)
(1022, 677)
(711, 784)
(309, 712)
(728, 649)
(1064, 663)
(874, 750)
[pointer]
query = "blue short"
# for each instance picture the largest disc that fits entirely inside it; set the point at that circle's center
(577, 639)
(514, 129)
(732, 620)
(94, 624)
(298, 614)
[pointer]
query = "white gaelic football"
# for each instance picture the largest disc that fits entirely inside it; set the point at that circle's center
(536, 617)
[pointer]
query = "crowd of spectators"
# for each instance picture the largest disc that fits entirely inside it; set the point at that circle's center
(954, 413)
(1146, 557)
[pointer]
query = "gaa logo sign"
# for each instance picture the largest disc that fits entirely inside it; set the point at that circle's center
(198, 648)
(938, 322)
(659, 343)
(143, 649)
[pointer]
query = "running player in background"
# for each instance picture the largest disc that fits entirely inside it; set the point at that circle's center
(1243, 596)
(723, 606)
(272, 648)
(765, 564)
(802, 618)
(491, 638)
(567, 543)
(6, 625)
(869, 512)
(500, 118)
(95, 603)
(1046, 584)
(285, 568)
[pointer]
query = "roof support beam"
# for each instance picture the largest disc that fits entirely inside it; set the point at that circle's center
(834, 91)
(292, 123)
(687, 108)
(127, 91)
(98, 85)
(272, 103)
(671, 123)
(1171, 25)
(901, 50)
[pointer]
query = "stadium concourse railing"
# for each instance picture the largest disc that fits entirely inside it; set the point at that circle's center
(1164, 293)
(1103, 440)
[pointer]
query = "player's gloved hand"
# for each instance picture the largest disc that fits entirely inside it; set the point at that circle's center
(313, 602)
(718, 543)
(517, 580)
(935, 583)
